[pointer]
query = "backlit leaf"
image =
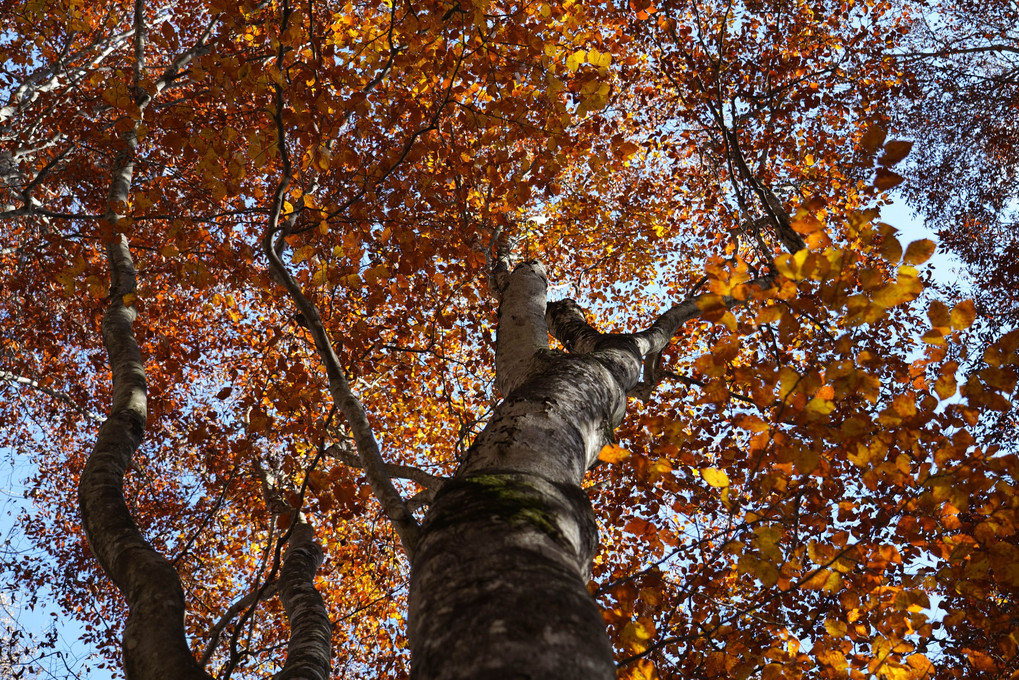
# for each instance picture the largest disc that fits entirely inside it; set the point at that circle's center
(963, 315)
(919, 252)
(610, 453)
(715, 477)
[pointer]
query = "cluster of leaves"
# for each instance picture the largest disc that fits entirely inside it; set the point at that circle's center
(806, 495)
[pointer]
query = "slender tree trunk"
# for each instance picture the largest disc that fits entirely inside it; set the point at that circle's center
(499, 579)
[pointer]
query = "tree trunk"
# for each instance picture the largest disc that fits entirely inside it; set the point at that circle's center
(499, 579)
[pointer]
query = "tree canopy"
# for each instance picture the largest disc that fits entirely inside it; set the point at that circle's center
(254, 263)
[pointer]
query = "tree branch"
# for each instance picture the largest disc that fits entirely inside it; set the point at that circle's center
(352, 459)
(568, 325)
(339, 388)
(657, 336)
(951, 51)
(522, 330)
(311, 633)
(56, 394)
(236, 608)
(155, 641)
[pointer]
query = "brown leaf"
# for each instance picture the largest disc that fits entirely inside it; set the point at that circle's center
(886, 179)
(873, 138)
(895, 151)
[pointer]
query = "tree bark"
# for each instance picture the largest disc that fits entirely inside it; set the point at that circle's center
(499, 582)
(311, 632)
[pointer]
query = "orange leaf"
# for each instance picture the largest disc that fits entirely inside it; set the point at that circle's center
(610, 453)
(919, 252)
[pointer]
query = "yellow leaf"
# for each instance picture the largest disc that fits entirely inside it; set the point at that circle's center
(891, 249)
(658, 468)
(820, 406)
(129, 299)
(919, 252)
(788, 380)
(642, 669)
(610, 453)
(635, 634)
(767, 573)
(920, 662)
(833, 659)
(751, 422)
(891, 295)
(768, 315)
(574, 61)
(324, 157)
(835, 627)
(895, 672)
(715, 477)
(805, 223)
(945, 386)
(963, 315)
(303, 253)
(709, 302)
(644, 628)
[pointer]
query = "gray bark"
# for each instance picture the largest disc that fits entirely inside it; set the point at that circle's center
(311, 633)
(499, 580)
(155, 644)
(154, 639)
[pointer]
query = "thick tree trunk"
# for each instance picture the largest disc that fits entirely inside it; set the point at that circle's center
(499, 578)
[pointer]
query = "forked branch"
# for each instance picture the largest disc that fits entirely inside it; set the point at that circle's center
(568, 325)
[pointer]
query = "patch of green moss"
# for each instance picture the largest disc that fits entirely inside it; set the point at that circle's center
(506, 496)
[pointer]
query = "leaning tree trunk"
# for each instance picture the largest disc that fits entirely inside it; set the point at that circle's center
(499, 578)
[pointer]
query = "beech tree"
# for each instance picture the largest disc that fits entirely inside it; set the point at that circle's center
(965, 83)
(279, 343)
(961, 67)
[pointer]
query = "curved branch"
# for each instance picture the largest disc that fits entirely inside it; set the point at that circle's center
(236, 608)
(339, 388)
(56, 394)
(657, 336)
(155, 644)
(568, 325)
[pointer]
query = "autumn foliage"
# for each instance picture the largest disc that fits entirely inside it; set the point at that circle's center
(806, 484)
